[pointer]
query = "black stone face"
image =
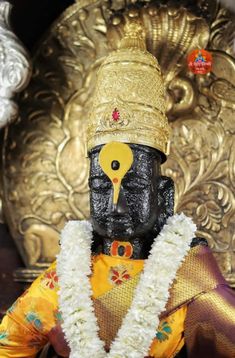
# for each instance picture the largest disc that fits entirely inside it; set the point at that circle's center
(145, 199)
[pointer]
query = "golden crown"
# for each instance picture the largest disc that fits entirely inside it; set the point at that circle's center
(129, 98)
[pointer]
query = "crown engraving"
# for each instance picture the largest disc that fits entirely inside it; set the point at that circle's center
(129, 98)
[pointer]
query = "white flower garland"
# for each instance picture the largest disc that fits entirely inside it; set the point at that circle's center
(151, 295)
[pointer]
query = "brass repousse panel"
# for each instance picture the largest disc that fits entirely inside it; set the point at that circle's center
(44, 169)
(44, 164)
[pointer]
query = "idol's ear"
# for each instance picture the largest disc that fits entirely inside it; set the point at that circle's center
(165, 199)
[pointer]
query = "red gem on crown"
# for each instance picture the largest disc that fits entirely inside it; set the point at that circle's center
(116, 115)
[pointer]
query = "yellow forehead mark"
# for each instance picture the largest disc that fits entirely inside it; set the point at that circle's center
(115, 159)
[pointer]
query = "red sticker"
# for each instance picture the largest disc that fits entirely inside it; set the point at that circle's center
(200, 62)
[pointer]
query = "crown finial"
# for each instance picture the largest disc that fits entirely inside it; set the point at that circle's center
(134, 36)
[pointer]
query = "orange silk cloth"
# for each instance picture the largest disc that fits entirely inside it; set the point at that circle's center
(110, 272)
(24, 330)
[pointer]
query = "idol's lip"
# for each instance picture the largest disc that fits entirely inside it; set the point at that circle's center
(120, 235)
(119, 227)
(124, 220)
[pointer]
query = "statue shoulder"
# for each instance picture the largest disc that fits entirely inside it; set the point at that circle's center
(198, 241)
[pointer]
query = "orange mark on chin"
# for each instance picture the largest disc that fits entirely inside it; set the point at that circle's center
(115, 180)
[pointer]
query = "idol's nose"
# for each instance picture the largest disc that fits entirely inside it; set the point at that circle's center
(121, 206)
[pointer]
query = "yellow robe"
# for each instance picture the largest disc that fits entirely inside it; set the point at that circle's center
(200, 311)
(24, 329)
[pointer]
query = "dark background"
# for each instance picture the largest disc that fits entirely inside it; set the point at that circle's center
(29, 20)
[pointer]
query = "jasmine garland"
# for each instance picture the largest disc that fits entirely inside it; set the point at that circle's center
(151, 295)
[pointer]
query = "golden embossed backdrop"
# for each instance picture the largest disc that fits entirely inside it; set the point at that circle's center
(44, 170)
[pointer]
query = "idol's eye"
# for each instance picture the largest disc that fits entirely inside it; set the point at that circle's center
(136, 185)
(100, 184)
